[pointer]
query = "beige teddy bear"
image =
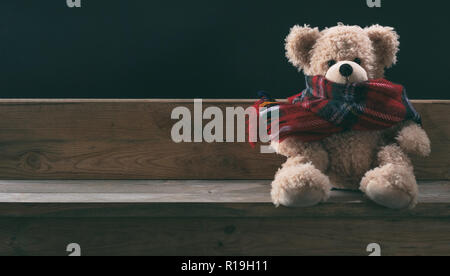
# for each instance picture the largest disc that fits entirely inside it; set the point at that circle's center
(376, 161)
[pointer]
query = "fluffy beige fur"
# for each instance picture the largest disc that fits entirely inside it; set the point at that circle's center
(374, 162)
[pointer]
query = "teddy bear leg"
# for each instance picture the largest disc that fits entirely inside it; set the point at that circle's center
(299, 184)
(393, 183)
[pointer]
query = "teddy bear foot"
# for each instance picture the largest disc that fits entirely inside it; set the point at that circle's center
(391, 186)
(300, 186)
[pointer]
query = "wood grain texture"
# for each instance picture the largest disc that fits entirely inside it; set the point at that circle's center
(210, 218)
(175, 191)
(223, 236)
(188, 199)
(130, 139)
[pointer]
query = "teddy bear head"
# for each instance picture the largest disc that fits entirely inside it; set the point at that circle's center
(343, 53)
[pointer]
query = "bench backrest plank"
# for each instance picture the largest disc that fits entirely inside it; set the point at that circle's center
(130, 139)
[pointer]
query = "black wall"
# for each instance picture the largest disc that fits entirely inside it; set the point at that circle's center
(198, 48)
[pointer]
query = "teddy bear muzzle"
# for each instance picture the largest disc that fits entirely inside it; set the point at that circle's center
(346, 72)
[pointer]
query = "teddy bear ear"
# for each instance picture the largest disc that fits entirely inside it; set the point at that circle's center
(385, 42)
(299, 44)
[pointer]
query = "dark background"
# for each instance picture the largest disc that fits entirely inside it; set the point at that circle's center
(198, 48)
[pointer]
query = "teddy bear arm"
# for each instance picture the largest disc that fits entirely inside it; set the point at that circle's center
(414, 140)
(295, 149)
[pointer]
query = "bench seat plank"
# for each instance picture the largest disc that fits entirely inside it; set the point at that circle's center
(209, 218)
(153, 198)
(182, 191)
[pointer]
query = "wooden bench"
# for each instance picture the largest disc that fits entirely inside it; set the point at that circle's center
(105, 174)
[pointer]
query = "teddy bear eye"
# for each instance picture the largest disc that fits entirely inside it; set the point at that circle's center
(331, 63)
(358, 60)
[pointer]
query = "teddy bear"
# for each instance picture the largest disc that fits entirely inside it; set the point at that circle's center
(373, 157)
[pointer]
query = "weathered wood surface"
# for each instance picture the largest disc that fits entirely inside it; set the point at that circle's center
(209, 218)
(130, 139)
(223, 237)
(189, 199)
(175, 191)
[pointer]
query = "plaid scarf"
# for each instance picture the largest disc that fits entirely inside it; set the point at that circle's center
(325, 108)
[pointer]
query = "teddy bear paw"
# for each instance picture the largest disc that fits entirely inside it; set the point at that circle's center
(300, 186)
(391, 186)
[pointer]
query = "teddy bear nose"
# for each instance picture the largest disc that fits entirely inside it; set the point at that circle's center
(346, 70)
